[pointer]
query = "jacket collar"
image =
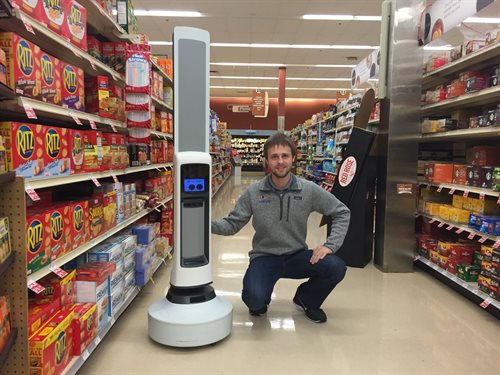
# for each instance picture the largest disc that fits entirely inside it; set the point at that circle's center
(265, 184)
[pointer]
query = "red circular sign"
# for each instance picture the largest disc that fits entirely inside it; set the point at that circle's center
(347, 171)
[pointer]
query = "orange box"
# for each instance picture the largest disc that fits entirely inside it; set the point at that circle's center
(37, 239)
(96, 216)
(56, 152)
(53, 15)
(110, 152)
(84, 326)
(456, 88)
(92, 156)
(39, 311)
(79, 222)
(3, 67)
(63, 289)
(23, 65)
(51, 348)
(75, 24)
(443, 173)
(76, 147)
(73, 87)
(51, 79)
(59, 230)
(109, 209)
(25, 148)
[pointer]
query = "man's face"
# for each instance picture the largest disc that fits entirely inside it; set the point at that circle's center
(280, 160)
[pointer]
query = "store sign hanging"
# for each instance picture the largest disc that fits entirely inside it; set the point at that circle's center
(260, 103)
(444, 15)
(368, 68)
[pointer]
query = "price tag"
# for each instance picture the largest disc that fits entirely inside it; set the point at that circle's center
(95, 181)
(449, 227)
(471, 236)
(58, 271)
(482, 239)
(157, 209)
(440, 225)
(27, 24)
(439, 189)
(35, 287)
(481, 196)
(85, 354)
(466, 193)
(485, 303)
(431, 221)
(92, 124)
(496, 245)
(460, 230)
(30, 112)
(452, 191)
(32, 193)
(113, 127)
(498, 200)
(115, 179)
(75, 119)
(93, 64)
(415, 257)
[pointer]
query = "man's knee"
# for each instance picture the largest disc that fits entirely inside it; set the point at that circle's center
(337, 268)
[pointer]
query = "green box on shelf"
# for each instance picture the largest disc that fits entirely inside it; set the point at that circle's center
(468, 272)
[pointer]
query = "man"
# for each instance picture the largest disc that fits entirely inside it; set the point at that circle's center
(280, 205)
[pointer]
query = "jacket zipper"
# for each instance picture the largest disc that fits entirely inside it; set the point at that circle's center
(281, 206)
(288, 210)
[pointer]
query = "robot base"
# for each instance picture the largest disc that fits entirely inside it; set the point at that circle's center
(190, 325)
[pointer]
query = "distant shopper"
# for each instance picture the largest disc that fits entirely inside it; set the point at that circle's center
(280, 204)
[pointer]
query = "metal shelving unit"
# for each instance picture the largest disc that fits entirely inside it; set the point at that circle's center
(220, 186)
(161, 135)
(6, 92)
(10, 343)
(167, 81)
(161, 104)
(464, 188)
(7, 263)
(462, 135)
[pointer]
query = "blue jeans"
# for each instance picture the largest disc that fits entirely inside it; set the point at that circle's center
(264, 271)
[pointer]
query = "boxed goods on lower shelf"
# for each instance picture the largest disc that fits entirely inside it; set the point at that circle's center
(61, 289)
(468, 272)
(5, 326)
(5, 249)
(84, 326)
(39, 311)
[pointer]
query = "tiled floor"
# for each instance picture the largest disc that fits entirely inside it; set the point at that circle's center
(378, 324)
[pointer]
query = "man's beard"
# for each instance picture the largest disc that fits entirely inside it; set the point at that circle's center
(283, 174)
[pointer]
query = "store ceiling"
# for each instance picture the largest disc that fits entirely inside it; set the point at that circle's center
(277, 22)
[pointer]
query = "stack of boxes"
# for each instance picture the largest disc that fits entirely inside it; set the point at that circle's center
(145, 255)
(489, 278)
(5, 326)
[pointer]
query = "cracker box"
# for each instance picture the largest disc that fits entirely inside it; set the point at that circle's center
(59, 231)
(110, 151)
(51, 348)
(30, 7)
(51, 79)
(105, 252)
(37, 239)
(3, 67)
(92, 160)
(117, 296)
(123, 150)
(96, 216)
(84, 326)
(23, 63)
(62, 289)
(5, 248)
(73, 87)
(75, 24)
(97, 95)
(56, 152)
(79, 222)
(108, 53)
(25, 147)
(76, 147)
(41, 310)
(119, 57)
(53, 15)
(109, 209)
(94, 47)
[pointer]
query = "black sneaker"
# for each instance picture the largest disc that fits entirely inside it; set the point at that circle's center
(258, 312)
(317, 315)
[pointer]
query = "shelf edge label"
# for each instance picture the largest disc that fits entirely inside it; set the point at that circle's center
(35, 287)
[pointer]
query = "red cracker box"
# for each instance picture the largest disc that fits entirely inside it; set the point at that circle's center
(25, 148)
(63, 289)
(119, 57)
(59, 231)
(76, 147)
(97, 95)
(56, 155)
(84, 326)
(37, 239)
(92, 158)
(111, 152)
(109, 209)
(108, 53)
(30, 7)
(75, 24)
(96, 216)
(73, 87)
(79, 222)
(23, 65)
(122, 148)
(51, 79)
(51, 348)
(41, 310)
(53, 15)
(94, 47)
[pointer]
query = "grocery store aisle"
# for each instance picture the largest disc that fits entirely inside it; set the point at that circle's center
(378, 324)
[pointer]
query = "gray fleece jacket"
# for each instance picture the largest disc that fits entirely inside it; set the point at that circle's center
(280, 216)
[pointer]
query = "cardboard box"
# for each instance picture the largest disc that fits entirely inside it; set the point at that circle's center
(5, 249)
(30, 7)
(76, 147)
(51, 348)
(56, 152)
(443, 173)
(97, 95)
(59, 230)
(109, 209)
(92, 151)
(108, 53)
(80, 223)
(468, 272)
(53, 14)
(96, 216)
(84, 326)
(75, 24)
(23, 64)
(73, 87)
(459, 174)
(38, 240)
(51, 79)
(94, 47)
(485, 156)
(111, 151)
(41, 310)
(63, 289)
(444, 212)
(3, 67)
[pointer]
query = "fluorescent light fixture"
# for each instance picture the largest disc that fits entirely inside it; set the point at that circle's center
(279, 65)
(340, 17)
(482, 20)
(166, 13)
(270, 45)
(288, 88)
(159, 43)
(438, 48)
(287, 78)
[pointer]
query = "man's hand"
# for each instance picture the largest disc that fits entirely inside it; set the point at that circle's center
(319, 253)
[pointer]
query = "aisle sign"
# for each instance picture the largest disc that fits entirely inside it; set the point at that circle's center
(260, 103)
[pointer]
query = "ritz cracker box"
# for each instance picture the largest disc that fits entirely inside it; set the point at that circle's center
(76, 145)
(38, 242)
(25, 145)
(84, 326)
(51, 79)
(51, 348)
(24, 75)
(56, 155)
(60, 230)
(53, 15)
(75, 24)
(73, 87)
(80, 224)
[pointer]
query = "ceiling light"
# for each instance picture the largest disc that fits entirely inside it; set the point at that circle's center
(159, 43)
(438, 48)
(279, 65)
(482, 20)
(270, 45)
(287, 78)
(340, 17)
(247, 64)
(166, 13)
(288, 88)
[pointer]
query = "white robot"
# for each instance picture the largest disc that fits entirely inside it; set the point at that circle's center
(191, 314)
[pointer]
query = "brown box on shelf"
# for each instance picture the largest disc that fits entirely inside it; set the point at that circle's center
(485, 155)
(94, 46)
(455, 88)
(5, 249)
(474, 45)
(474, 122)
(443, 173)
(456, 53)
(490, 117)
(481, 121)
(459, 174)
(476, 83)
(444, 212)
(458, 201)
(92, 157)
(462, 117)
(97, 95)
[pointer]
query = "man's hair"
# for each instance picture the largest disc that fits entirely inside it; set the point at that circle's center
(279, 139)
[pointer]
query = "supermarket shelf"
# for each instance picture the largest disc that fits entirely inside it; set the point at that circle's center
(332, 173)
(7, 177)
(473, 99)
(465, 228)
(470, 189)
(38, 183)
(374, 121)
(162, 135)
(161, 103)
(6, 92)
(327, 184)
(345, 127)
(57, 46)
(87, 246)
(105, 23)
(340, 143)
(221, 185)
(445, 73)
(468, 290)
(463, 134)
(54, 114)
(167, 81)
(10, 343)
(215, 164)
(7, 263)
